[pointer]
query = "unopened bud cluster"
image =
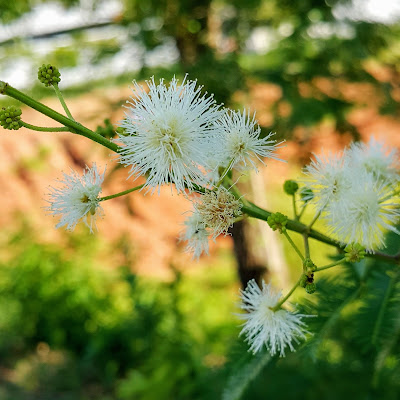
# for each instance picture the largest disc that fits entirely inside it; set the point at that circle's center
(277, 221)
(10, 118)
(49, 75)
(307, 279)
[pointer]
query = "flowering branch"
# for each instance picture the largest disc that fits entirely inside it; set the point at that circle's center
(75, 127)
(177, 135)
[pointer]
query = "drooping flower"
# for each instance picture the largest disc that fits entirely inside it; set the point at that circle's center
(196, 235)
(263, 326)
(77, 199)
(167, 131)
(218, 210)
(240, 141)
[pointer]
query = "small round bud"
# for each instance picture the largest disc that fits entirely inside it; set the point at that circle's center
(290, 187)
(48, 75)
(306, 194)
(354, 252)
(277, 221)
(309, 266)
(311, 288)
(10, 118)
(303, 280)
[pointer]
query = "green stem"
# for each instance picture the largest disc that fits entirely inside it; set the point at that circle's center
(306, 245)
(296, 226)
(45, 128)
(296, 216)
(113, 196)
(61, 98)
(278, 306)
(241, 218)
(302, 211)
(317, 215)
(226, 170)
(8, 90)
(293, 245)
(331, 265)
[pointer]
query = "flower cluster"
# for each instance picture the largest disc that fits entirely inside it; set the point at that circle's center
(276, 329)
(175, 134)
(356, 192)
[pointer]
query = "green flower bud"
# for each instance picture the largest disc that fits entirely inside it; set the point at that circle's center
(311, 288)
(309, 266)
(277, 221)
(48, 75)
(290, 187)
(354, 252)
(306, 194)
(10, 118)
(303, 280)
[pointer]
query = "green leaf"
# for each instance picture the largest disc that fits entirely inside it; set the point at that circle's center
(241, 378)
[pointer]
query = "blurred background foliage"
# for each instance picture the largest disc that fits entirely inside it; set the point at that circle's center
(72, 328)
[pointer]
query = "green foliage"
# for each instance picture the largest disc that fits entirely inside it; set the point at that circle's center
(221, 76)
(65, 325)
(244, 374)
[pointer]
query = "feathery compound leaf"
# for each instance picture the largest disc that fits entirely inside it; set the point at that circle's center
(377, 321)
(332, 297)
(241, 378)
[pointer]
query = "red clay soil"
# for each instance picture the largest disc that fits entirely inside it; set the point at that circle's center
(32, 161)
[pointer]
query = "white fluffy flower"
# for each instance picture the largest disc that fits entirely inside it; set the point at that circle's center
(196, 235)
(326, 178)
(365, 212)
(376, 158)
(167, 131)
(356, 191)
(277, 330)
(240, 142)
(77, 199)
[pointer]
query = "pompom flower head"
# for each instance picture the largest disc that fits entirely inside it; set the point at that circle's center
(326, 179)
(355, 192)
(263, 326)
(196, 235)
(365, 212)
(240, 141)
(167, 131)
(77, 199)
(376, 158)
